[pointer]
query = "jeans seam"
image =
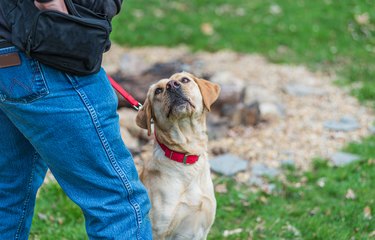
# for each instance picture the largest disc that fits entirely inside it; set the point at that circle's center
(110, 154)
(27, 200)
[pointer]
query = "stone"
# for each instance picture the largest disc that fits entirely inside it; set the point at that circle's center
(226, 78)
(167, 69)
(301, 90)
(227, 110)
(342, 158)
(219, 150)
(228, 164)
(217, 131)
(346, 124)
(256, 181)
(288, 163)
(230, 95)
(217, 127)
(127, 120)
(372, 129)
(268, 103)
(232, 89)
(260, 170)
(130, 141)
(260, 94)
(271, 111)
(132, 64)
(271, 188)
(260, 183)
(245, 115)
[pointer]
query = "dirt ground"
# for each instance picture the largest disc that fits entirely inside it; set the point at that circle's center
(306, 101)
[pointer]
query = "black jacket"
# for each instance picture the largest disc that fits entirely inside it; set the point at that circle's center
(107, 7)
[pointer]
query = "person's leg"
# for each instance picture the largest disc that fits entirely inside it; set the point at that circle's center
(21, 174)
(75, 129)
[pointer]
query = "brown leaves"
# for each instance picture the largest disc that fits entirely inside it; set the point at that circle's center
(46, 218)
(227, 233)
(321, 182)
(362, 19)
(207, 29)
(350, 194)
(367, 213)
(221, 188)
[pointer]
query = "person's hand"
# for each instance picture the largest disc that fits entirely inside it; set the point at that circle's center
(56, 5)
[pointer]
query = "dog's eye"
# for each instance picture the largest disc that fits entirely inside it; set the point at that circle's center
(158, 91)
(185, 80)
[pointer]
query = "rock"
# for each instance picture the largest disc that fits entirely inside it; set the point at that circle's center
(228, 164)
(372, 129)
(350, 194)
(256, 181)
(232, 89)
(259, 94)
(288, 163)
(217, 132)
(132, 64)
(219, 150)
(246, 115)
(271, 188)
(301, 90)
(251, 114)
(342, 158)
(165, 70)
(260, 169)
(242, 177)
(130, 141)
(271, 111)
(346, 123)
(217, 127)
(127, 120)
(230, 95)
(228, 110)
(260, 183)
(226, 78)
(112, 59)
(221, 188)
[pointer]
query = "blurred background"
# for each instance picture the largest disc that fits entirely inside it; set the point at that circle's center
(292, 136)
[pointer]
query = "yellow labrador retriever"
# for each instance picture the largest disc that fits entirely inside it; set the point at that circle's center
(178, 176)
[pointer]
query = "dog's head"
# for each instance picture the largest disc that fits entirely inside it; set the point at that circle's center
(181, 96)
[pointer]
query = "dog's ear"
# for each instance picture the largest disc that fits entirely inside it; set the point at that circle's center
(210, 92)
(143, 118)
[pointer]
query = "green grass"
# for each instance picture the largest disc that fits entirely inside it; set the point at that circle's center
(291, 212)
(56, 217)
(308, 211)
(323, 34)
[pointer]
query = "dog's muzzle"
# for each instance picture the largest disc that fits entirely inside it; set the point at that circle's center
(175, 93)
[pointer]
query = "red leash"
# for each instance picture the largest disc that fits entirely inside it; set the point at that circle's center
(137, 105)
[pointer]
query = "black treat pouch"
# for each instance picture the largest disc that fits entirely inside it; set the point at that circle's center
(73, 43)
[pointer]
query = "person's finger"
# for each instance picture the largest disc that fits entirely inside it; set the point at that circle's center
(56, 5)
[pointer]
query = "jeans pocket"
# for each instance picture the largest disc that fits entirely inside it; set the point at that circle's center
(23, 83)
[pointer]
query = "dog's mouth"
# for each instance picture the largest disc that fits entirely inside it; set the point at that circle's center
(179, 104)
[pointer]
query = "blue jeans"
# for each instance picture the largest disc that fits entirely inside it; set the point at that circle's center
(69, 124)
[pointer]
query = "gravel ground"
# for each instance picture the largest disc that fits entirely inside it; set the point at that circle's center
(299, 135)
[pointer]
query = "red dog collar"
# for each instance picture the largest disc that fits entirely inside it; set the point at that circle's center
(177, 156)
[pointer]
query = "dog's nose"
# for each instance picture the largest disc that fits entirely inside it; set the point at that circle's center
(173, 85)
